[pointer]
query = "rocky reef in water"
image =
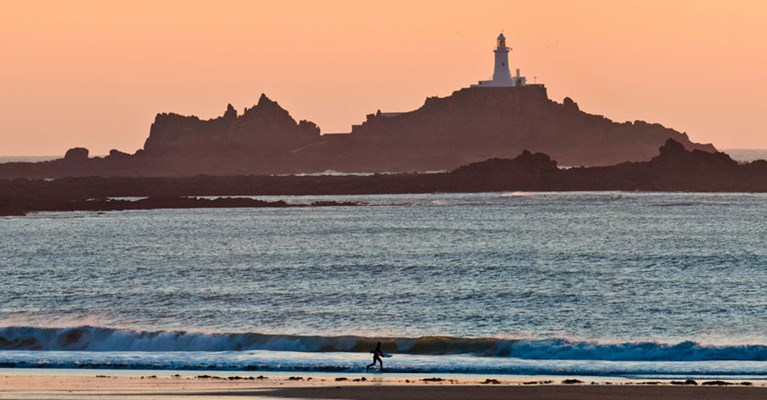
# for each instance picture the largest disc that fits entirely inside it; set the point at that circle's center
(673, 169)
(471, 125)
(19, 208)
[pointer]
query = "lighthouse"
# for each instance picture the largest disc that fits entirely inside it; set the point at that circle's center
(501, 73)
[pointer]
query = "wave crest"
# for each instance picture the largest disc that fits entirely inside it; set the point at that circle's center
(92, 338)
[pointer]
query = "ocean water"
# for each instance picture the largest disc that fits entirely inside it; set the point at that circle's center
(609, 284)
(747, 155)
(8, 159)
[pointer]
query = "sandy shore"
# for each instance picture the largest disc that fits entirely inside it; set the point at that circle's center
(324, 387)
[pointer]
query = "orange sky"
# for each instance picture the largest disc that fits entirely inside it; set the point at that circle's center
(94, 74)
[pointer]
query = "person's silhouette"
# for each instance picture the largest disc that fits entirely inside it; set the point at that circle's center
(377, 354)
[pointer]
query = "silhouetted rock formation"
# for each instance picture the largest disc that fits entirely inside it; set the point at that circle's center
(260, 132)
(471, 125)
(259, 141)
(152, 203)
(525, 172)
(118, 154)
(674, 169)
(76, 154)
(479, 123)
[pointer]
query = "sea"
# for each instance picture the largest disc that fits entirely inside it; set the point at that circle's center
(747, 155)
(604, 284)
(9, 159)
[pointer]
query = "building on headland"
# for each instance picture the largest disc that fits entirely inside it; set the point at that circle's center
(502, 78)
(501, 73)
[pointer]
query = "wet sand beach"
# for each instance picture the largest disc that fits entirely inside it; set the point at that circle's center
(314, 387)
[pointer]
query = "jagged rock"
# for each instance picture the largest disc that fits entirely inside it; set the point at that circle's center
(230, 112)
(570, 104)
(675, 158)
(118, 154)
(76, 154)
(671, 148)
(258, 134)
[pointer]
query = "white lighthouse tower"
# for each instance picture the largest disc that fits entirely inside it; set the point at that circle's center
(501, 74)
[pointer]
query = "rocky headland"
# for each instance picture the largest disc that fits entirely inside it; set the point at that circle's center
(674, 168)
(471, 125)
(14, 207)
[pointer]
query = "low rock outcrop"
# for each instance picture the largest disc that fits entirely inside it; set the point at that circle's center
(673, 169)
(76, 154)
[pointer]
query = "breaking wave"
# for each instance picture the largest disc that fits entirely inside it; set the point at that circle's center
(100, 339)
